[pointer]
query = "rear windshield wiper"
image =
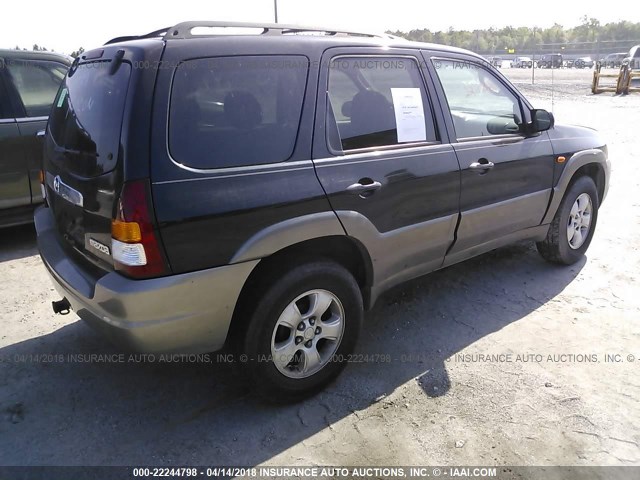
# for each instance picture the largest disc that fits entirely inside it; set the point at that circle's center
(71, 151)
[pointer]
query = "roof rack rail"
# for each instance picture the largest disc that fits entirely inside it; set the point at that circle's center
(156, 34)
(183, 30)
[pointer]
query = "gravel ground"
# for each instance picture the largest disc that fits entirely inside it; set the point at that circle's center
(548, 397)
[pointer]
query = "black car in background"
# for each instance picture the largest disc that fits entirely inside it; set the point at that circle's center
(553, 60)
(29, 82)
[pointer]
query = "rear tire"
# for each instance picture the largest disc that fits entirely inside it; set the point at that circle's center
(572, 228)
(300, 331)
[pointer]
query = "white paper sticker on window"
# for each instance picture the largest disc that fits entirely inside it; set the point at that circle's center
(407, 103)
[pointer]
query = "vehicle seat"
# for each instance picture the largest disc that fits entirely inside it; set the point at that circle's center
(373, 121)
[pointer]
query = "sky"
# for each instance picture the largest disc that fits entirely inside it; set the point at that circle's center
(66, 25)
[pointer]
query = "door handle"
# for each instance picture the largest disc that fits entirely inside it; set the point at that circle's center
(364, 188)
(483, 165)
(40, 133)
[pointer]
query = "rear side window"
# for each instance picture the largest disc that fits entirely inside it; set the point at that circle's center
(37, 83)
(86, 118)
(236, 111)
(376, 102)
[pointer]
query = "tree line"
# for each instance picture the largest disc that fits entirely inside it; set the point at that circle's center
(590, 36)
(38, 48)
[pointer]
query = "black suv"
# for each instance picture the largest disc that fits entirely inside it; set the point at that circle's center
(553, 60)
(260, 191)
(29, 82)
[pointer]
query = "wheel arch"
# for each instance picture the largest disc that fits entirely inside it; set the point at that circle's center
(592, 163)
(342, 249)
(597, 174)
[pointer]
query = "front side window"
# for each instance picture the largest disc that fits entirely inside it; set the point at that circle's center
(480, 104)
(377, 101)
(236, 111)
(37, 83)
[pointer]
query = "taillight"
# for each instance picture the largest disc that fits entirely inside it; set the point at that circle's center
(135, 246)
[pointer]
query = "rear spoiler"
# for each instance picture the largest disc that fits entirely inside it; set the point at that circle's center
(155, 34)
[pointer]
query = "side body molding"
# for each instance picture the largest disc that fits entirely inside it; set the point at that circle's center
(577, 160)
(407, 252)
(396, 256)
(404, 253)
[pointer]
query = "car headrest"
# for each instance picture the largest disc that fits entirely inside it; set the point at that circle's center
(371, 112)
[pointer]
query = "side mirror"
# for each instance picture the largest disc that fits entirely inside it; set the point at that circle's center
(541, 120)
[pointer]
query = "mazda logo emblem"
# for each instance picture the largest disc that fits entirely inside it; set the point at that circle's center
(56, 184)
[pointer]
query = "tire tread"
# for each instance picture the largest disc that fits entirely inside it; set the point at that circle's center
(554, 248)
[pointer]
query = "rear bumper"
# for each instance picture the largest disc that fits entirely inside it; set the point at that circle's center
(187, 313)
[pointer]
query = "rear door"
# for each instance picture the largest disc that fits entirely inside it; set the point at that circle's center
(14, 179)
(506, 175)
(231, 148)
(34, 84)
(383, 160)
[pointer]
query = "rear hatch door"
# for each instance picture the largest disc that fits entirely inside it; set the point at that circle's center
(82, 157)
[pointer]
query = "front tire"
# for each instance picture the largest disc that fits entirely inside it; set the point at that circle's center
(572, 228)
(301, 330)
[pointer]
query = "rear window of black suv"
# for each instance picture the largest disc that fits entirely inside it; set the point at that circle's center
(86, 117)
(236, 111)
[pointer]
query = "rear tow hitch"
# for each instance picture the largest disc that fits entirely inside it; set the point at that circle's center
(63, 307)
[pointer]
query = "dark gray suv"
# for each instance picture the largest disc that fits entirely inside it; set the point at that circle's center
(259, 191)
(29, 82)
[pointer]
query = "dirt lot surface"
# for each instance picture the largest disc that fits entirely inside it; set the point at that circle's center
(548, 396)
